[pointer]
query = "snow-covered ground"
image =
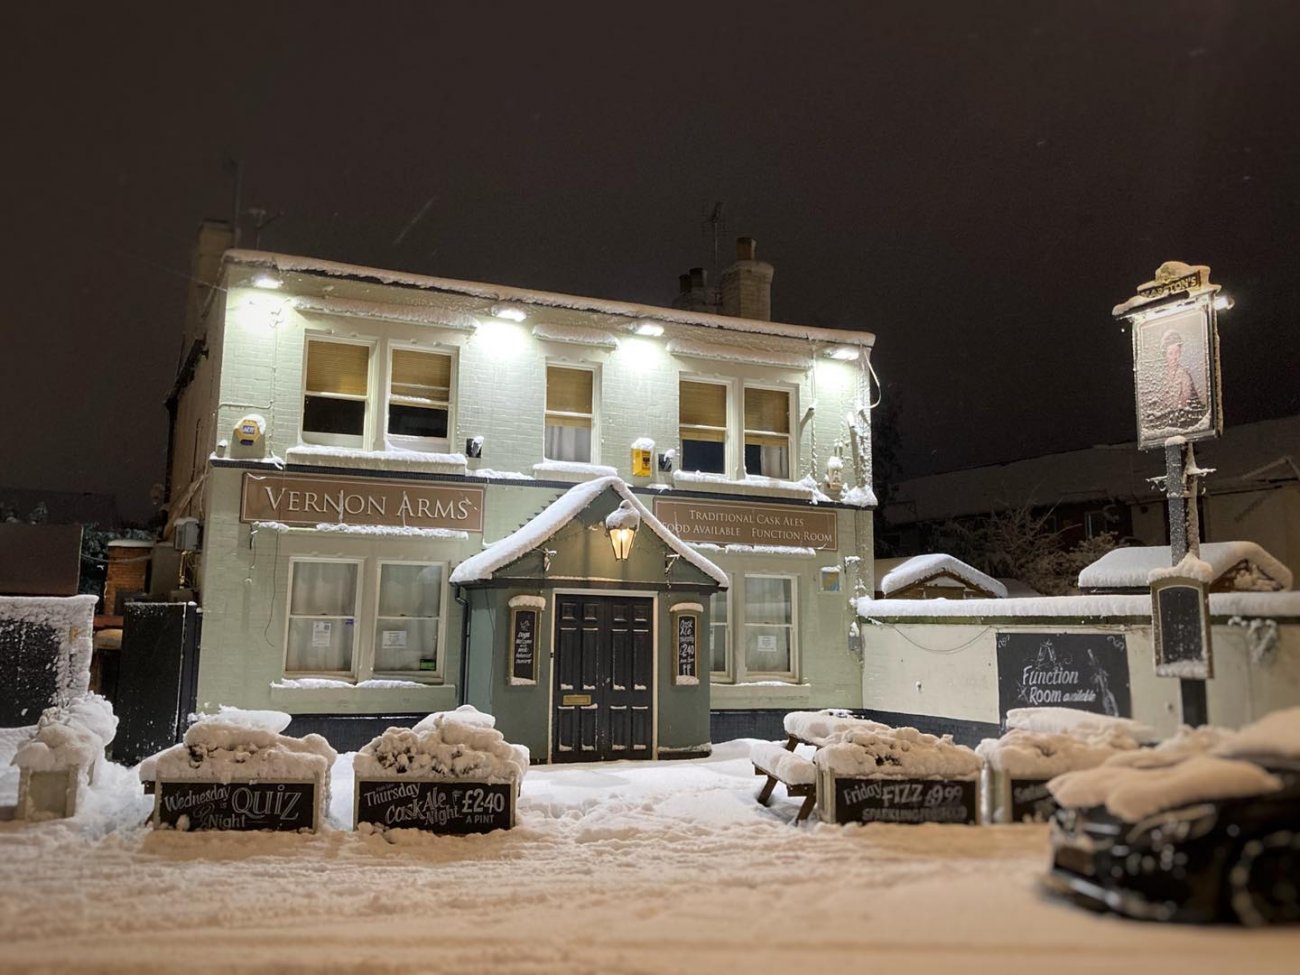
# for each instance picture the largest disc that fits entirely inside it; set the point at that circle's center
(627, 867)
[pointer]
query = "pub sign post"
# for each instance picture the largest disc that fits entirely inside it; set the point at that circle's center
(1178, 397)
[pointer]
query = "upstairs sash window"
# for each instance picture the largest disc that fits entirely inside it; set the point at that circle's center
(570, 414)
(335, 391)
(767, 432)
(702, 416)
(419, 399)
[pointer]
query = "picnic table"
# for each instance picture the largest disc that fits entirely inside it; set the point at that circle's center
(783, 764)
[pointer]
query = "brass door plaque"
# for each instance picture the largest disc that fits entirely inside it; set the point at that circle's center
(575, 701)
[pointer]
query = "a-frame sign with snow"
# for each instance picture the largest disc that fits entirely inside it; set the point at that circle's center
(592, 665)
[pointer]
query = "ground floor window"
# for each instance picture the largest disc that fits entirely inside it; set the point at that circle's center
(756, 639)
(364, 617)
(719, 636)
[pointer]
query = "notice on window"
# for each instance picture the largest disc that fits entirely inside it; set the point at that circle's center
(322, 633)
(394, 639)
(767, 643)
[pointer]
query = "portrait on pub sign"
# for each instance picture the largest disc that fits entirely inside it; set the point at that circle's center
(1175, 377)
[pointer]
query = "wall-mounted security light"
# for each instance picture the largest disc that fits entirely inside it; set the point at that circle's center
(1222, 302)
(474, 447)
(844, 353)
(511, 313)
(621, 525)
(651, 329)
(268, 281)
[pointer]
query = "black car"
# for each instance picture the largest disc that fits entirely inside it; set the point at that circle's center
(1225, 860)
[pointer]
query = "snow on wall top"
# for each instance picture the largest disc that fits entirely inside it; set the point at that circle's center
(1130, 568)
(481, 566)
(307, 265)
(73, 619)
(1274, 604)
(1080, 724)
(922, 567)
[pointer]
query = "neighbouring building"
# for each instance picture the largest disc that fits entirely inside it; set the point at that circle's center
(624, 530)
(1252, 493)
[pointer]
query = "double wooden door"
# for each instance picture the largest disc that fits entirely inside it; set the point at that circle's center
(604, 678)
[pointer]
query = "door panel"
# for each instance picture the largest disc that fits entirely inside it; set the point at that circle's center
(603, 678)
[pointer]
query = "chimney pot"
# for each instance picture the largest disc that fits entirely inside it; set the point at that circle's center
(746, 249)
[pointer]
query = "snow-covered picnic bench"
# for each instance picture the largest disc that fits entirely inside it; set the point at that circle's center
(783, 763)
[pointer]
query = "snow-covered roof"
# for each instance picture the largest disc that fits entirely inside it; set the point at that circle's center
(494, 292)
(921, 568)
(1131, 568)
(564, 509)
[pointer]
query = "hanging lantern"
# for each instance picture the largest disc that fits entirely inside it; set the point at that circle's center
(621, 525)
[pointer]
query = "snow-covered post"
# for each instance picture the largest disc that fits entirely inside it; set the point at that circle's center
(1179, 400)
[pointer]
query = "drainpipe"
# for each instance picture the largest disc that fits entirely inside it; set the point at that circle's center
(463, 688)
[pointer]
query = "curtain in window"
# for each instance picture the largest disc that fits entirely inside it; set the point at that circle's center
(322, 608)
(768, 624)
(568, 443)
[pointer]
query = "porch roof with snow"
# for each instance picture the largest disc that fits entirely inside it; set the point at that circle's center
(530, 540)
(938, 568)
(1234, 567)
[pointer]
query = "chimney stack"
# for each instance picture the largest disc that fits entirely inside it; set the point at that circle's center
(694, 294)
(746, 286)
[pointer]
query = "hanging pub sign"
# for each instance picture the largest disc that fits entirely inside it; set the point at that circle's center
(686, 647)
(1180, 620)
(523, 644)
(1175, 355)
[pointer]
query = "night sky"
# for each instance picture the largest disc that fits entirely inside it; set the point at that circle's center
(976, 183)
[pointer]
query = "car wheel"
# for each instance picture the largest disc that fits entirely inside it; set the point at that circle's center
(1265, 880)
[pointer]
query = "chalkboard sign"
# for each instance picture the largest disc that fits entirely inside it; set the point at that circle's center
(1030, 800)
(1181, 629)
(439, 807)
(523, 646)
(686, 628)
(889, 800)
(1083, 671)
(194, 805)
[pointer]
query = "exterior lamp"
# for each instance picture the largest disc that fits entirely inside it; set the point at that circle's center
(268, 281)
(621, 525)
(511, 313)
(651, 329)
(844, 353)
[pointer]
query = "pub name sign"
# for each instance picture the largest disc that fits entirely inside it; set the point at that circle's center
(312, 499)
(749, 524)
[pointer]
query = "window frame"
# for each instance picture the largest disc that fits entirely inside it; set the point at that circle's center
(594, 369)
(439, 445)
(727, 674)
(379, 383)
(338, 439)
(740, 663)
(439, 628)
(290, 616)
(791, 462)
(734, 429)
(728, 425)
(365, 621)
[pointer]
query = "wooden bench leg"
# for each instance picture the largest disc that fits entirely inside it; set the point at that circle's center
(808, 803)
(765, 794)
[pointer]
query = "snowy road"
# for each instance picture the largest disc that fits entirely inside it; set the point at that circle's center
(656, 867)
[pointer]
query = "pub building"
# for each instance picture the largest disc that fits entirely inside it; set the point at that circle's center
(626, 531)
